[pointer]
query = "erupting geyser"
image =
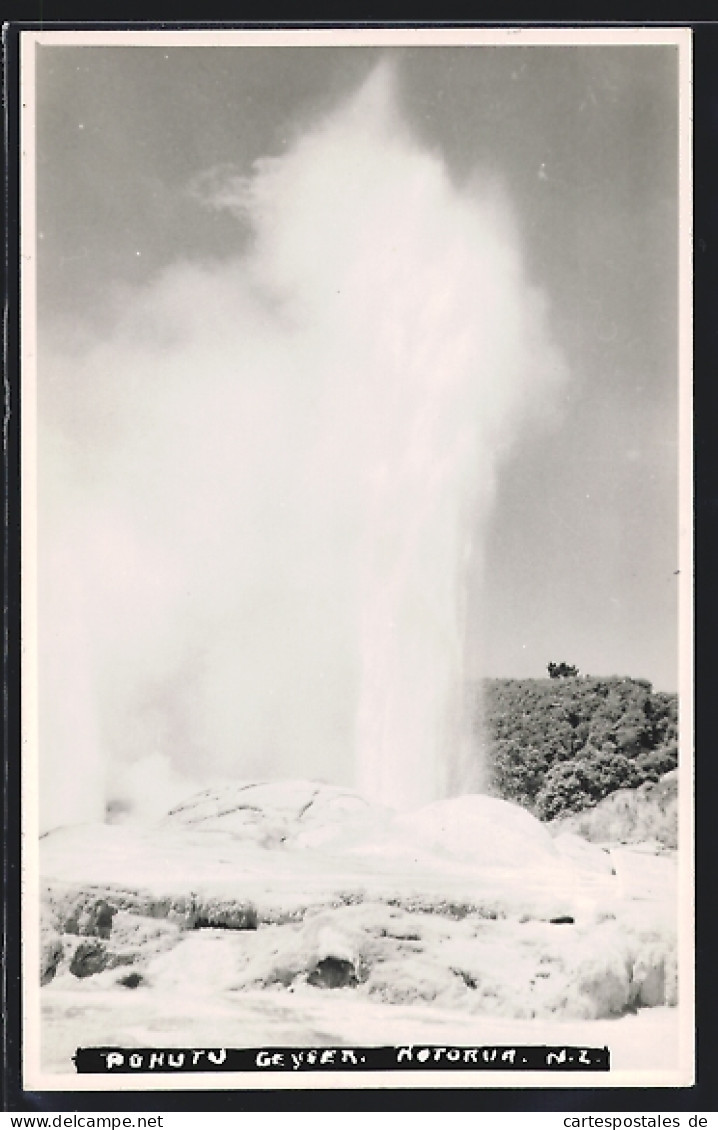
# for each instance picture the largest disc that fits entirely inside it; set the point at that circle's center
(279, 470)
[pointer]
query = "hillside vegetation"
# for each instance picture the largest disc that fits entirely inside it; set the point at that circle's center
(558, 746)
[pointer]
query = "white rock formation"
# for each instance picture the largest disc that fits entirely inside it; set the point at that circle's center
(467, 905)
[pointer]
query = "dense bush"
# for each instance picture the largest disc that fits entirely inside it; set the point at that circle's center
(560, 745)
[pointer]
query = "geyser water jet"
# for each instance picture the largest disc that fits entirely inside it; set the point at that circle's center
(280, 469)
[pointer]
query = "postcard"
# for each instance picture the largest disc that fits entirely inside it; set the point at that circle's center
(356, 558)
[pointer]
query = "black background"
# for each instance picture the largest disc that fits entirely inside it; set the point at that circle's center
(158, 14)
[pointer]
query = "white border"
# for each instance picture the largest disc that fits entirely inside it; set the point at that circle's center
(371, 37)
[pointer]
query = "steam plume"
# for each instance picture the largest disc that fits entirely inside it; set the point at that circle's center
(263, 497)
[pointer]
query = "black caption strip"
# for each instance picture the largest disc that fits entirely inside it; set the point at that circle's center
(418, 1057)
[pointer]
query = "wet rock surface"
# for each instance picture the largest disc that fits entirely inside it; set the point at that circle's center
(470, 905)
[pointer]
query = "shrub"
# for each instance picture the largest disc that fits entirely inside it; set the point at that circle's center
(560, 744)
(570, 786)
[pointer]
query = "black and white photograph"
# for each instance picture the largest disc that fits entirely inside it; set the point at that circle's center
(356, 558)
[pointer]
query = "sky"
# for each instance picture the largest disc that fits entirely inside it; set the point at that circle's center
(158, 212)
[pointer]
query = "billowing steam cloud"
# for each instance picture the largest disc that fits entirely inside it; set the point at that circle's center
(262, 499)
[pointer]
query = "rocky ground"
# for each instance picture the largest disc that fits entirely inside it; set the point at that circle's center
(646, 815)
(292, 912)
